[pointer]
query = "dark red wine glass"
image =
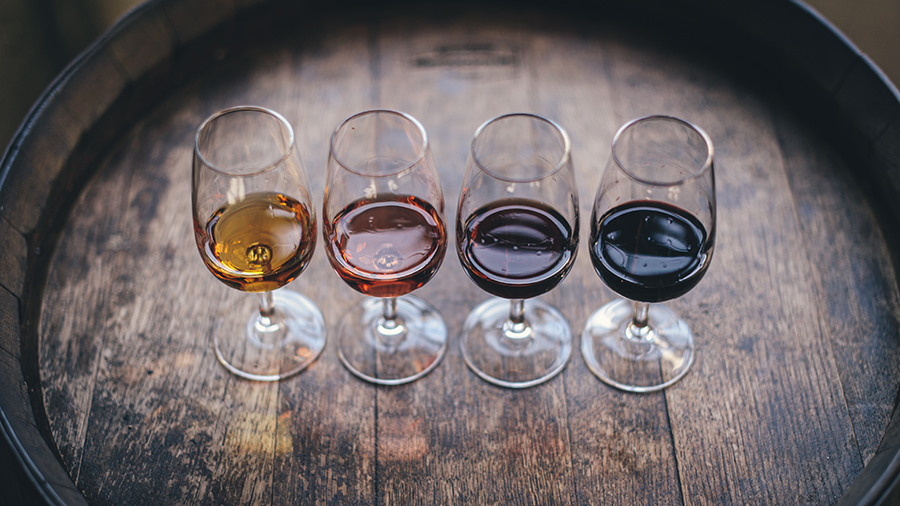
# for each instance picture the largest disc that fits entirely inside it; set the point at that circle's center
(653, 229)
(385, 236)
(517, 237)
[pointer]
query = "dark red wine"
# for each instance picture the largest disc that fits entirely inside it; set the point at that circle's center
(386, 247)
(649, 251)
(516, 248)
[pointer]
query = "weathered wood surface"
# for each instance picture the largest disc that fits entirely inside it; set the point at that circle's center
(796, 321)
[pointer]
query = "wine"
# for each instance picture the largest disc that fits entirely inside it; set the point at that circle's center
(258, 244)
(386, 246)
(649, 251)
(516, 248)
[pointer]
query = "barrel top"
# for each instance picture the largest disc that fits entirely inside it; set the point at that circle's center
(106, 309)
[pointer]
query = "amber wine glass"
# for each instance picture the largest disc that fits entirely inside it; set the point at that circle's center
(653, 229)
(385, 237)
(255, 227)
(516, 238)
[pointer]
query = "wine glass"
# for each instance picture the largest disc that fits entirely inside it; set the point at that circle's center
(517, 237)
(255, 227)
(385, 237)
(653, 229)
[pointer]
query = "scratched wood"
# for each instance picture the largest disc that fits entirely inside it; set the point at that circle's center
(524, 431)
(765, 358)
(795, 322)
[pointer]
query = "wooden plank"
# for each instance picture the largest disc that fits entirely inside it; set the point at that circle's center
(146, 385)
(14, 259)
(325, 452)
(191, 19)
(42, 156)
(75, 307)
(10, 324)
(624, 452)
(17, 417)
(851, 269)
(52, 479)
(451, 438)
(91, 88)
(83, 96)
(150, 385)
(885, 157)
(764, 393)
(143, 43)
(878, 476)
(862, 97)
(14, 397)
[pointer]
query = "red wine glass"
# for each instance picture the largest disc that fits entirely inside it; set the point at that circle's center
(517, 237)
(385, 236)
(653, 230)
(255, 227)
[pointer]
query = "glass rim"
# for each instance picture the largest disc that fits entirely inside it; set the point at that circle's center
(406, 168)
(703, 169)
(245, 108)
(563, 160)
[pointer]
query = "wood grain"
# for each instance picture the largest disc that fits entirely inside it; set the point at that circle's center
(57, 128)
(623, 451)
(837, 224)
(326, 418)
(516, 441)
(12, 275)
(763, 394)
(143, 45)
(795, 322)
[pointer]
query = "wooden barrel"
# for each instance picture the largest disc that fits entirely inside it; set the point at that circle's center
(112, 394)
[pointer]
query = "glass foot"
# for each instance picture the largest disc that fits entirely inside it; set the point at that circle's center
(635, 359)
(514, 357)
(270, 349)
(392, 352)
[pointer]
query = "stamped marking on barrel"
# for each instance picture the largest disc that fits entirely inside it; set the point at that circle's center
(470, 59)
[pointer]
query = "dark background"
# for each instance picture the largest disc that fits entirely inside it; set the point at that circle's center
(38, 38)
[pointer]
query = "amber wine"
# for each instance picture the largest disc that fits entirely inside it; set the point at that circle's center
(259, 244)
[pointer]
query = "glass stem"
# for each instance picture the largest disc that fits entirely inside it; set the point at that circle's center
(266, 308)
(516, 328)
(641, 314)
(390, 324)
(390, 329)
(390, 311)
(639, 330)
(517, 311)
(267, 321)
